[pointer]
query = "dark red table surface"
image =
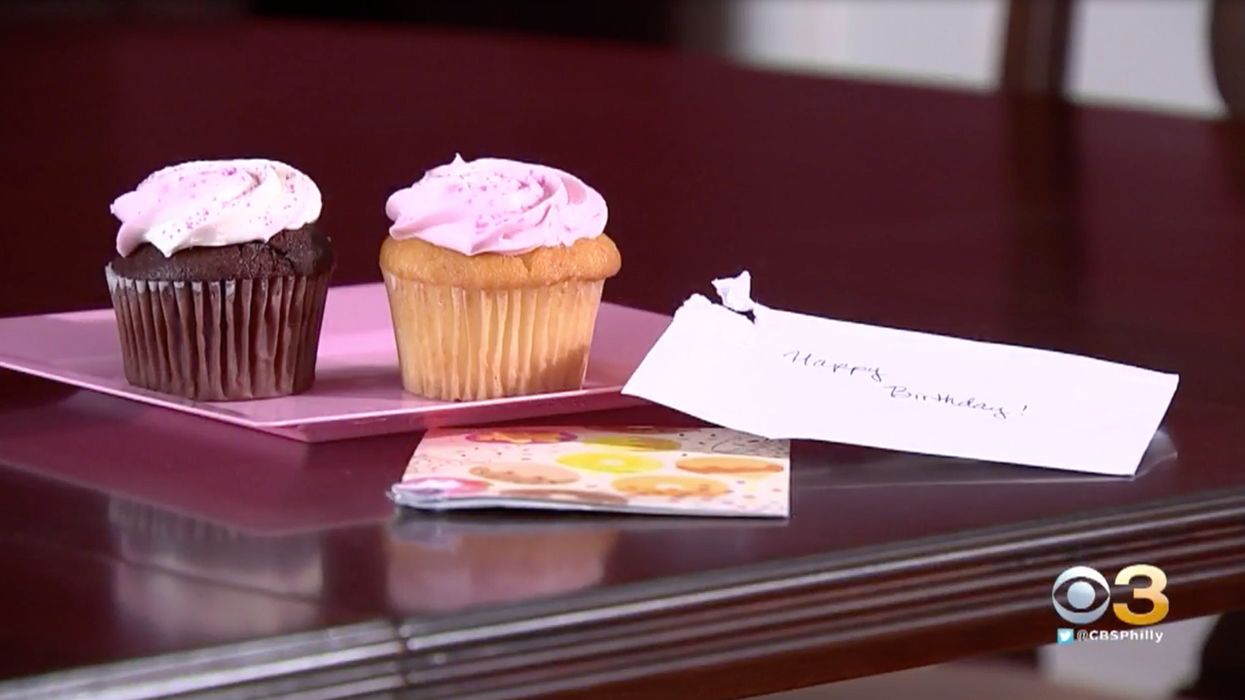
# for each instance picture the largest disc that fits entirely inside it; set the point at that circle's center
(131, 531)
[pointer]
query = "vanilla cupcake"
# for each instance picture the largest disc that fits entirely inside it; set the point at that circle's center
(494, 270)
(220, 279)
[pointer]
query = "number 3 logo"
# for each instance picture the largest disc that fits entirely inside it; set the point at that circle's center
(1152, 593)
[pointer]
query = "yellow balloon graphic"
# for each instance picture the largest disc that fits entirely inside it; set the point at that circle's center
(632, 443)
(610, 462)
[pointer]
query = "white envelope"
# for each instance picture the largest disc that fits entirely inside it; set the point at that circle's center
(780, 374)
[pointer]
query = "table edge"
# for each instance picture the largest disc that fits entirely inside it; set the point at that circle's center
(689, 627)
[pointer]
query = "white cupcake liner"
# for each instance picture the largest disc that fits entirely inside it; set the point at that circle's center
(470, 344)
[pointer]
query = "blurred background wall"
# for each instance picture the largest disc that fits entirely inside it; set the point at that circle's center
(1143, 53)
(1149, 54)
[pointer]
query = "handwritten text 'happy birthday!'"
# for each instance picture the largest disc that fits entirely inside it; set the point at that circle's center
(900, 391)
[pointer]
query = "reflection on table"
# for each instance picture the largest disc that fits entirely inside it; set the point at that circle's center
(434, 568)
(182, 579)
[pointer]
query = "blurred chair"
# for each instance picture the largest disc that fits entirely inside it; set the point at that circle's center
(1036, 41)
(1227, 45)
(1222, 673)
(1035, 65)
(1035, 47)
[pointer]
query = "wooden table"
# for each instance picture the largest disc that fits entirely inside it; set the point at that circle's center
(168, 553)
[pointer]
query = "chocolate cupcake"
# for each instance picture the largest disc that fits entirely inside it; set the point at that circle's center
(220, 280)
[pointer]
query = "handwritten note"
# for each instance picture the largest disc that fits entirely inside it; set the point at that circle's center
(786, 375)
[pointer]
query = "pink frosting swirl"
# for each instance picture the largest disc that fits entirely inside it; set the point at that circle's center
(494, 205)
(215, 203)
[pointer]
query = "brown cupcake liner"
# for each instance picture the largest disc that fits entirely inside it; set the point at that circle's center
(229, 340)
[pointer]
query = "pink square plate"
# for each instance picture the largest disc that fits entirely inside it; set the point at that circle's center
(358, 390)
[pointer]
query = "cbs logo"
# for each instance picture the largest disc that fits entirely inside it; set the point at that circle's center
(1081, 594)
